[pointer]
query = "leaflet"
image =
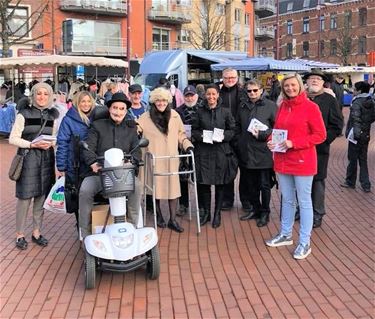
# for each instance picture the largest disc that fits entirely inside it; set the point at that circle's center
(351, 137)
(187, 130)
(207, 136)
(46, 138)
(255, 124)
(218, 135)
(279, 136)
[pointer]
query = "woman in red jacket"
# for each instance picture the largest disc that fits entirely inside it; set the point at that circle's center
(295, 161)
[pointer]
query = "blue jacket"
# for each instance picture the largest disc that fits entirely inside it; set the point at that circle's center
(71, 125)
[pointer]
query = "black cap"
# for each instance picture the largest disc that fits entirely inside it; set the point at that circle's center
(135, 88)
(190, 89)
(316, 72)
(119, 97)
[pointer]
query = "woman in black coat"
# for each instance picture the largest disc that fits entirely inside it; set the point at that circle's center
(38, 172)
(216, 164)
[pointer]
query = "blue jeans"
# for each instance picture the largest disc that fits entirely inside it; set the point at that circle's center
(289, 184)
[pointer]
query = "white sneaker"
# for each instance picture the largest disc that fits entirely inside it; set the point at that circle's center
(302, 251)
(279, 240)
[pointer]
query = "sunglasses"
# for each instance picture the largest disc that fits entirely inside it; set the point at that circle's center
(253, 90)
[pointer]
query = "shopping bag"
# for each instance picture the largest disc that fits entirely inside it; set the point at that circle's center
(55, 201)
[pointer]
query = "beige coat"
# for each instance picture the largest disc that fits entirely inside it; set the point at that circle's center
(167, 187)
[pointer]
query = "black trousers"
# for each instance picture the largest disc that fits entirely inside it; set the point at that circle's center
(229, 192)
(357, 153)
(258, 186)
(184, 199)
(205, 196)
(318, 198)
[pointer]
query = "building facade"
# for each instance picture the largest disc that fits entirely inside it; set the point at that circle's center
(337, 31)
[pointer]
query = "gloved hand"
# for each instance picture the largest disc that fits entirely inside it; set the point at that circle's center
(190, 148)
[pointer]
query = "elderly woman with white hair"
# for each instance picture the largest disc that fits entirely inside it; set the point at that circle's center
(163, 127)
(38, 171)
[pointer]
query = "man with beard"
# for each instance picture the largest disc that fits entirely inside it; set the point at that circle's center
(231, 95)
(333, 122)
(138, 106)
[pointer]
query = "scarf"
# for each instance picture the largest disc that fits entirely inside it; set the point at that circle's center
(161, 119)
(313, 95)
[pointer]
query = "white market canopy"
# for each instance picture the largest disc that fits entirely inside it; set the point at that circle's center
(60, 60)
(352, 69)
(314, 64)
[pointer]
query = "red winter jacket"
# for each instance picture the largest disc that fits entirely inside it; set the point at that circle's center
(303, 120)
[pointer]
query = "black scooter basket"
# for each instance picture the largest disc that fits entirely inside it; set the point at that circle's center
(118, 181)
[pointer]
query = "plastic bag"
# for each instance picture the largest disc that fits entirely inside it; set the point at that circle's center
(55, 201)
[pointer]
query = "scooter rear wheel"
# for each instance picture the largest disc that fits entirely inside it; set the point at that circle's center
(153, 265)
(90, 271)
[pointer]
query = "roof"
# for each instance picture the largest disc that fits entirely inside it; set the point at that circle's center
(287, 6)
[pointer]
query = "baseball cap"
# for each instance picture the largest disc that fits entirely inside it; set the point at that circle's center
(190, 89)
(135, 88)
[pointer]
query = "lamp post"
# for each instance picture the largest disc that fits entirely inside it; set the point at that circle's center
(128, 10)
(319, 7)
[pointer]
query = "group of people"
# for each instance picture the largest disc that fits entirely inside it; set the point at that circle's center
(230, 128)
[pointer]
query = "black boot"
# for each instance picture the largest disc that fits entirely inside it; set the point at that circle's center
(172, 223)
(263, 219)
(205, 217)
(216, 222)
(250, 215)
(317, 221)
(159, 217)
(205, 201)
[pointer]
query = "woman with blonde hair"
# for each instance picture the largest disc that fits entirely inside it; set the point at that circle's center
(38, 170)
(295, 162)
(73, 129)
(165, 131)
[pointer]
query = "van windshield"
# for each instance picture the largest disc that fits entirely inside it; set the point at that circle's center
(149, 80)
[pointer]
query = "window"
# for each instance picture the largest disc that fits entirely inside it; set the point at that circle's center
(362, 17)
(348, 19)
(305, 47)
(160, 39)
(333, 48)
(220, 9)
(289, 50)
(289, 27)
(321, 48)
(306, 4)
(289, 7)
(306, 25)
(321, 23)
(362, 45)
(247, 19)
(246, 45)
(18, 25)
(264, 51)
(184, 36)
(333, 21)
(237, 15)
(236, 43)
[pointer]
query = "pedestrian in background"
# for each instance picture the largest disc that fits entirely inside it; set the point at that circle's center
(296, 161)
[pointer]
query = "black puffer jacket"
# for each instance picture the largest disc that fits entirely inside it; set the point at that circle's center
(105, 134)
(38, 172)
(216, 163)
(252, 152)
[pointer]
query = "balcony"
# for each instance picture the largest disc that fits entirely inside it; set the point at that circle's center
(171, 14)
(264, 33)
(265, 8)
(100, 7)
(95, 46)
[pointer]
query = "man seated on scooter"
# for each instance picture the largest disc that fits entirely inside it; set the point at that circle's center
(112, 132)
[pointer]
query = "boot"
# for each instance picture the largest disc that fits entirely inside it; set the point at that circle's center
(216, 222)
(205, 217)
(159, 217)
(263, 219)
(172, 223)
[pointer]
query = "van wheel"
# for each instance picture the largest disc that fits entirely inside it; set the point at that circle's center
(153, 264)
(90, 271)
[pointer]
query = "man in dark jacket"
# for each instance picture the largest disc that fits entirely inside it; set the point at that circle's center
(333, 122)
(114, 132)
(231, 94)
(254, 122)
(338, 88)
(275, 88)
(362, 115)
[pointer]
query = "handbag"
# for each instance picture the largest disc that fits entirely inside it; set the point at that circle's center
(16, 166)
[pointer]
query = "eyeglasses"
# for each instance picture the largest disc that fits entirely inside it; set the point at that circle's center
(253, 90)
(230, 78)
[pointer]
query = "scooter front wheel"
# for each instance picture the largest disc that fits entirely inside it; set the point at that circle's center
(153, 265)
(90, 271)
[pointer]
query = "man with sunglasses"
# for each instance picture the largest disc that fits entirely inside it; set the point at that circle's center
(254, 123)
(231, 94)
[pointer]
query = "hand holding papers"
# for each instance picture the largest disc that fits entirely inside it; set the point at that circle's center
(217, 135)
(255, 126)
(278, 137)
(351, 137)
(45, 138)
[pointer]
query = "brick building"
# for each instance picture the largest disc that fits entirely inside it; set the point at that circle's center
(337, 31)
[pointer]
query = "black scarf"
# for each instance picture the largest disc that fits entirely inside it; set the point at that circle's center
(161, 119)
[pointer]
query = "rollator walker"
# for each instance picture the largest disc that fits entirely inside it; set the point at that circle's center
(121, 247)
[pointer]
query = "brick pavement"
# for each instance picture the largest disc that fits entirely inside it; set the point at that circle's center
(223, 273)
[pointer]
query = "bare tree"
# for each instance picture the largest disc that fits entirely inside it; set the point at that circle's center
(209, 33)
(12, 33)
(344, 43)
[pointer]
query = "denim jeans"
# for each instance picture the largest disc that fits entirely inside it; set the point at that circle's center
(290, 184)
